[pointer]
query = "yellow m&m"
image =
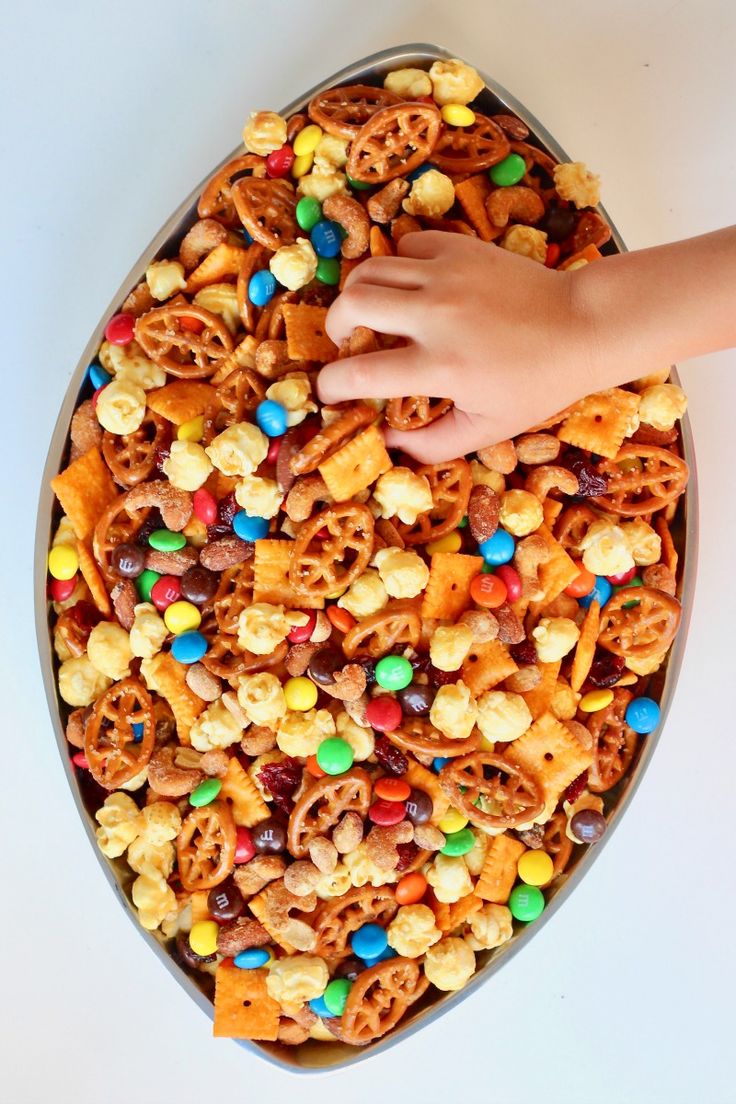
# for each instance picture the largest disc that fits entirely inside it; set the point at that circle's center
(203, 937)
(452, 821)
(458, 115)
(302, 165)
(181, 617)
(453, 542)
(535, 868)
(193, 430)
(63, 561)
(300, 694)
(595, 700)
(307, 140)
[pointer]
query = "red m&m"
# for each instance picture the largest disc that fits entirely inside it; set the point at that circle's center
(383, 713)
(205, 506)
(119, 330)
(165, 591)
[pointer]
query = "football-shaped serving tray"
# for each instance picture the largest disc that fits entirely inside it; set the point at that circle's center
(314, 1055)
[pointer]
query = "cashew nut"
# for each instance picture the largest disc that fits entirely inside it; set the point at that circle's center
(167, 779)
(200, 240)
(175, 505)
(352, 217)
(530, 553)
(521, 204)
(550, 477)
(307, 490)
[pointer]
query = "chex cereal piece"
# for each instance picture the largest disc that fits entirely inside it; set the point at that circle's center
(248, 807)
(92, 577)
(85, 489)
(499, 869)
(168, 678)
(585, 649)
(306, 338)
(552, 755)
(271, 577)
(419, 778)
(539, 699)
(486, 665)
(356, 465)
(447, 594)
(244, 1008)
(599, 422)
(449, 917)
(181, 400)
(471, 194)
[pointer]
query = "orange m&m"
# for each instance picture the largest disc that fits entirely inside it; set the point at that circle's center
(488, 590)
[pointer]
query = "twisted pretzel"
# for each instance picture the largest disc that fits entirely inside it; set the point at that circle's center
(512, 795)
(378, 999)
(234, 594)
(614, 743)
(642, 630)
(468, 149)
(205, 846)
(343, 111)
(318, 809)
(450, 484)
(415, 411)
(216, 200)
(131, 457)
(237, 396)
(336, 920)
(632, 492)
(267, 209)
(118, 524)
(320, 567)
(557, 843)
(110, 745)
(419, 736)
(332, 437)
(572, 526)
(394, 141)
(166, 335)
(398, 623)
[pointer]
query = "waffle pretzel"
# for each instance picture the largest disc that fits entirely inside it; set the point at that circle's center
(394, 141)
(515, 796)
(614, 743)
(468, 149)
(118, 524)
(378, 634)
(318, 809)
(131, 457)
(234, 593)
(450, 484)
(557, 843)
(110, 745)
(643, 630)
(237, 396)
(337, 919)
(632, 492)
(216, 199)
(378, 999)
(267, 209)
(187, 340)
(343, 111)
(417, 735)
(321, 566)
(205, 846)
(331, 438)
(415, 411)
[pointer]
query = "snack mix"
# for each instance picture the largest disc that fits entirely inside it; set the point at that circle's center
(344, 718)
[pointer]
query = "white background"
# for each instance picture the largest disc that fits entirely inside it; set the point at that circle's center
(115, 112)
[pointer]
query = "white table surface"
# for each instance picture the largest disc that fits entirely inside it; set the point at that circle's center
(115, 113)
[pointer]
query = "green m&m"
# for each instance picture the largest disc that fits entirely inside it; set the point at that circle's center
(526, 903)
(163, 540)
(145, 581)
(308, 213)
(336, 994)
(205, 792)
(394, 672)
(328, 270)
(335, 755)
(458, 843)
(509, 171)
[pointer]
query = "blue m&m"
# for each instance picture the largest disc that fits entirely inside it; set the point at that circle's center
(261, 287)
(251, 958)
(326, 238)
(387, 952)
(138, 729)
(189, 647)
(369, 941)
(499, 548)
(600, 593)
(642, 714)
(250, 528)
(98, 377)
(318, 1006)
(420, 171)
(271, 418)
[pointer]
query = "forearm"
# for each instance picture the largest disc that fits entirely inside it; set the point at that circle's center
(644, 310)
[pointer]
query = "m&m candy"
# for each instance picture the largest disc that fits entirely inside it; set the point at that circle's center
(261, 287)
(509, 171)
(394, 672)
(499, 548)
(250, 528)
(369, 941)
(271, 418)
(326, 239)
(189, 647)
(642, 714)
(526, 903)
(334, 755)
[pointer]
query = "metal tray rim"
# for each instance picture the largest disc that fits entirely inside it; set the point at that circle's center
(408, 53)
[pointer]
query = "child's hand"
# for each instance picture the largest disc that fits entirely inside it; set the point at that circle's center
(497, 333)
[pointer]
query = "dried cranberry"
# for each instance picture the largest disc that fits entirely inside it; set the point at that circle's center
(281, 779)
(524, 654)
(591, 482)
(439, 678)
(606, 669)
(390, 758)
(153, 522)
(407, 854)
(86, 615)
(227, 508)
(368, 665)
(576, 787)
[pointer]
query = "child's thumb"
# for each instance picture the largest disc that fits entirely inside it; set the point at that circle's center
(456, 434)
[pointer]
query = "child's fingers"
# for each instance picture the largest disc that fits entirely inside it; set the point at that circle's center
(400, 272)
(387, 310)
(422, 244)
(388, 374)
(454, 435)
